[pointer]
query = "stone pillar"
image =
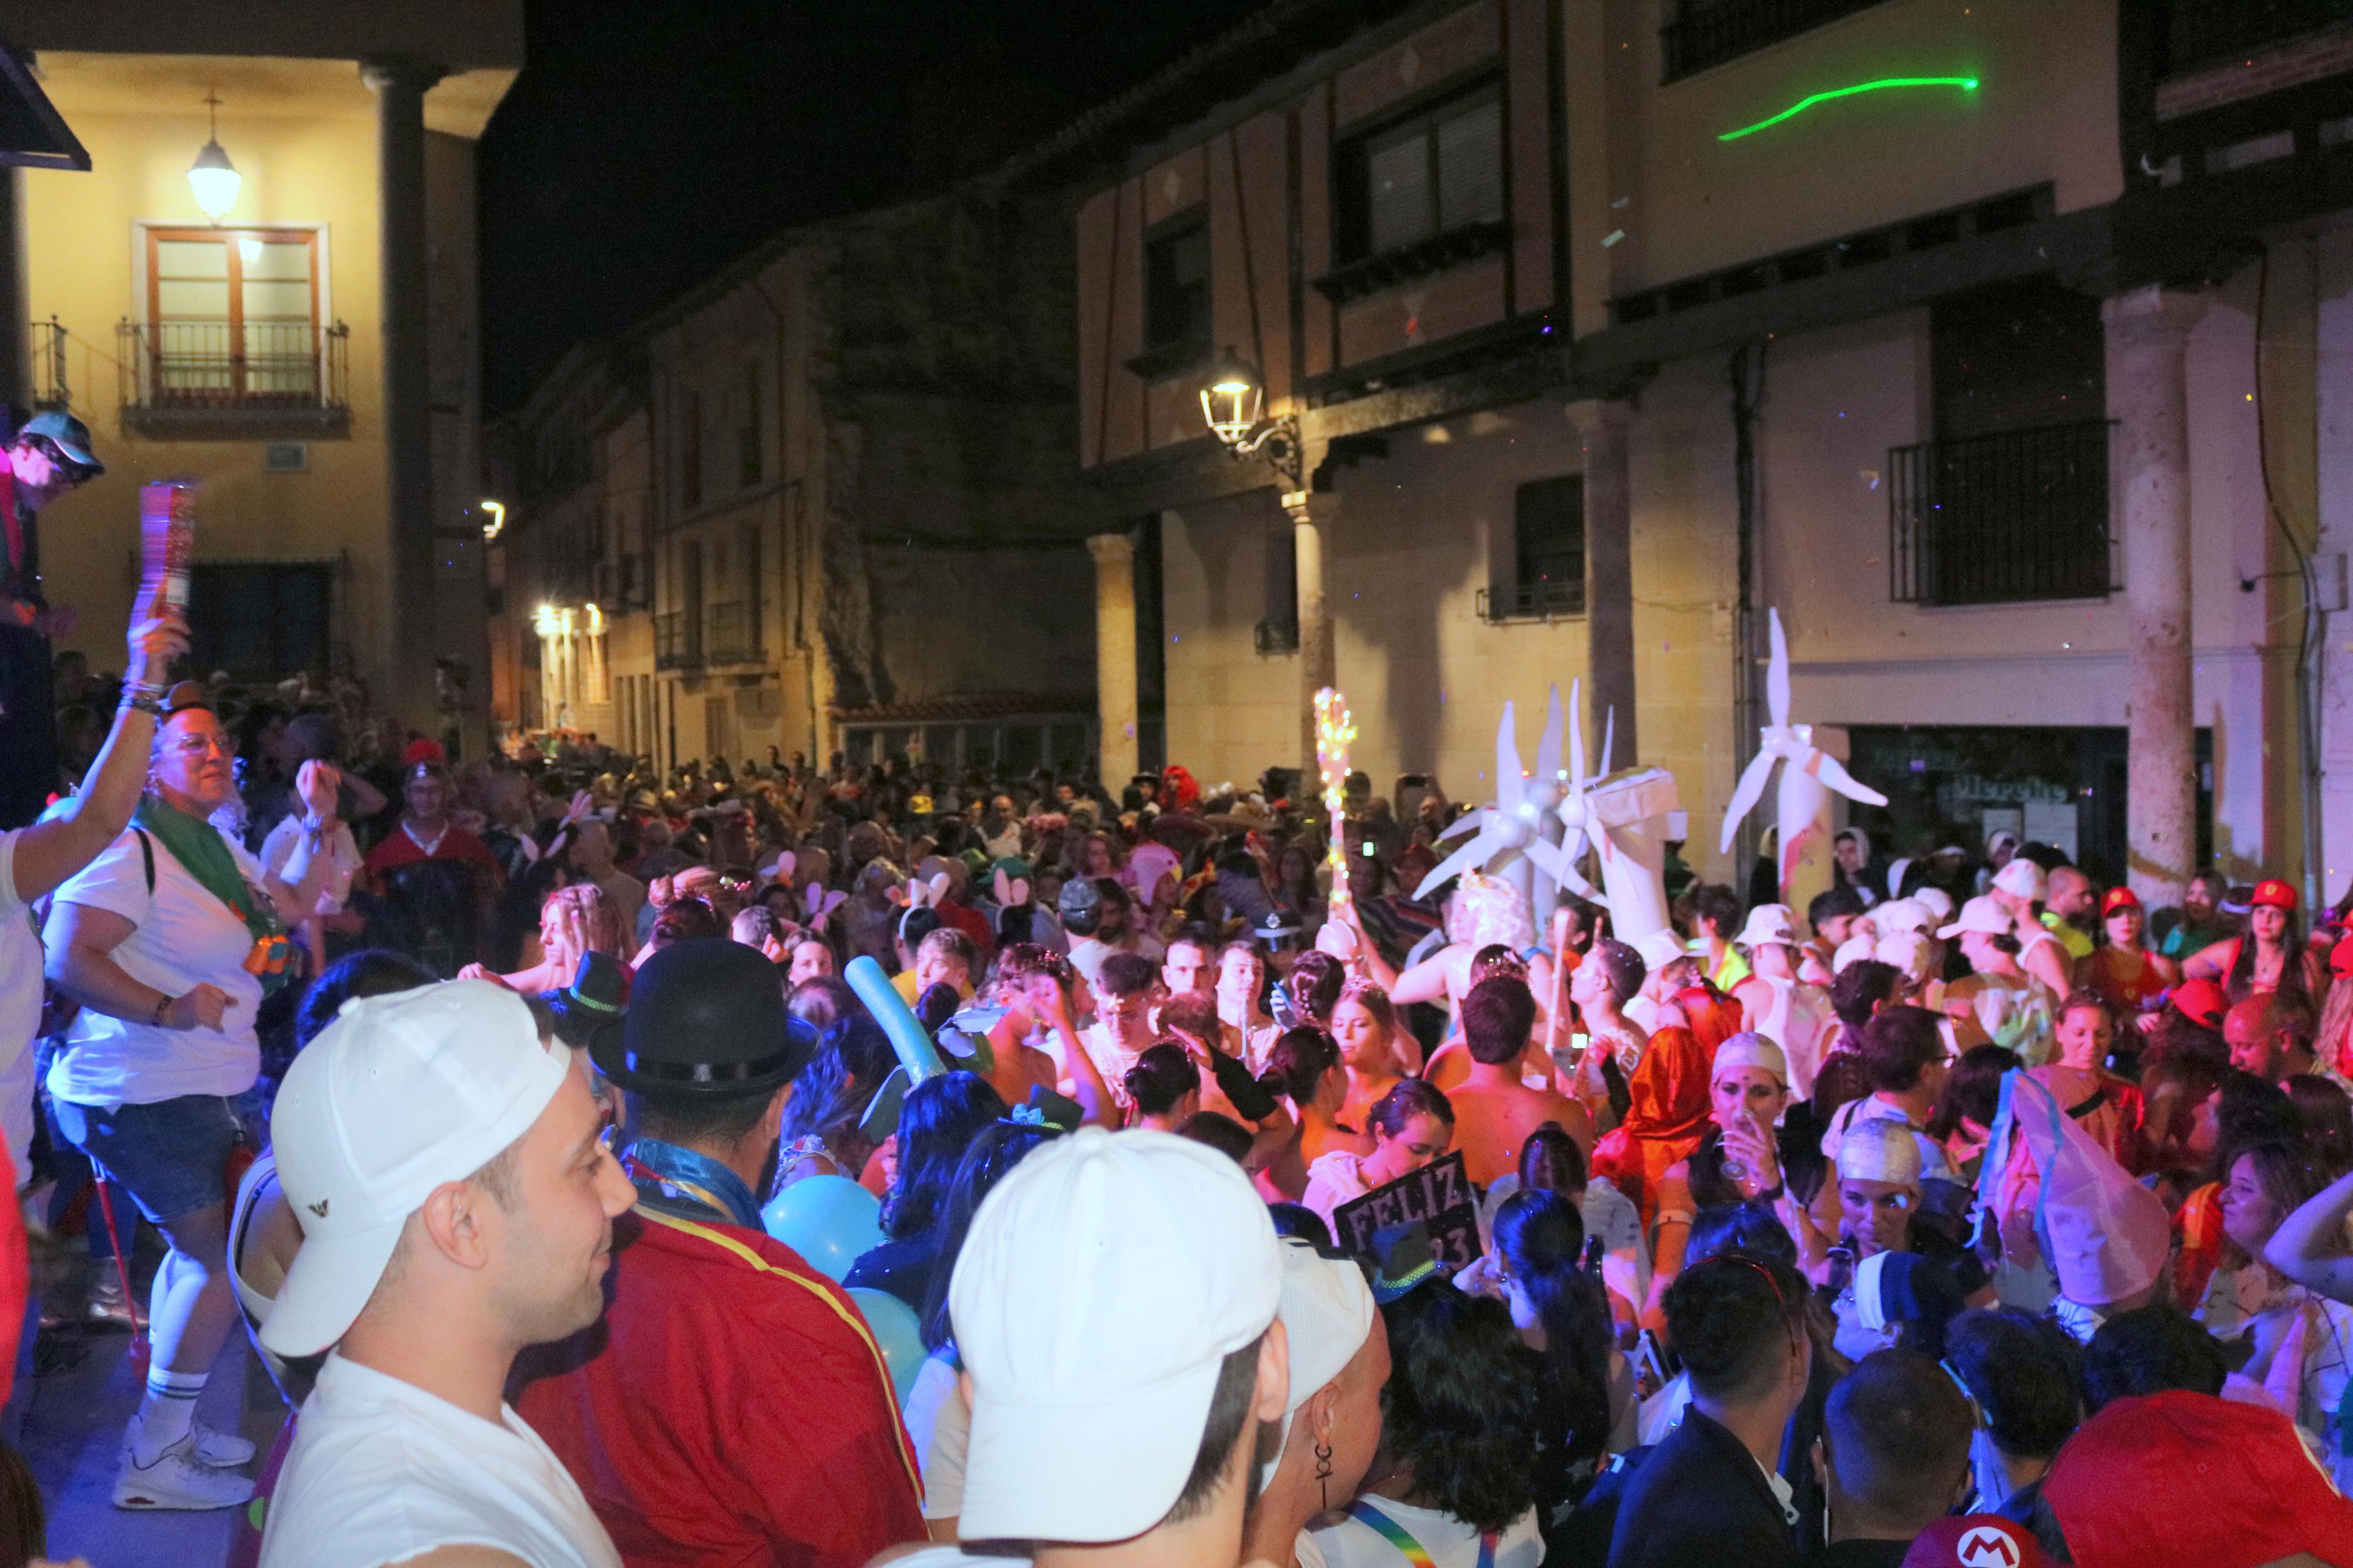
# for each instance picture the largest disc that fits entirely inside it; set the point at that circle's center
(1600, 424)
(1312, 513)
(400, 85)
(2146, 331)
(1115, 556)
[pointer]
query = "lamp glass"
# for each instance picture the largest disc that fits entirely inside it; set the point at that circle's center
(1231, 407)
(214, 182)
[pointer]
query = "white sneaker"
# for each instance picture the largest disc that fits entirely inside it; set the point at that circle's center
(218, 1450)
(178, 1479)
(221, 1450)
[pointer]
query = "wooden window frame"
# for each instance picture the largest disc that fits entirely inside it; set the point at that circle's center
(1351, 199)
(228, 238)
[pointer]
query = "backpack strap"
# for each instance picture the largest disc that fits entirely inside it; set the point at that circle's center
(147, 858)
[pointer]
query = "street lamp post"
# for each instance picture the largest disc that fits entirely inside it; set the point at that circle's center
(1233, 404)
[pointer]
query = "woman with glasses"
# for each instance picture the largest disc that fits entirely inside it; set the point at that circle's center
(168, 942)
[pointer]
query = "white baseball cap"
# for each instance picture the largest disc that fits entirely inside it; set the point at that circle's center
(1900, 915)
(1660, 948)
(1768, 923)
(1981, 914)
(1103, 1286)
(399, 1095)
(2019, 877)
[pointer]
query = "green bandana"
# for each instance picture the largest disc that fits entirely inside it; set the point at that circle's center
(199, 846)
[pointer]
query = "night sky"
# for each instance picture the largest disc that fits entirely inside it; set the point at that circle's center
(646, 145)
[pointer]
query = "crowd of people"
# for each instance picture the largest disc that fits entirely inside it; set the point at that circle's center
(776, 1164)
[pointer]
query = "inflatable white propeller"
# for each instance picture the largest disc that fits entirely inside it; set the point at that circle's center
(1512, 826)
(1807, 772)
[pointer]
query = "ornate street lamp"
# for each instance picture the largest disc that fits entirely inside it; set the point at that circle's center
(213, 177)
(1233, 404)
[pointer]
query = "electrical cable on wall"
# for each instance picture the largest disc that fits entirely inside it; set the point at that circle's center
(2308, 635)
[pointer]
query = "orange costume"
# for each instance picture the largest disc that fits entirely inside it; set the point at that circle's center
(1666, 1121)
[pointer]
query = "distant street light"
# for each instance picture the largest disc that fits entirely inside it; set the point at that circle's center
(497, 525)
(1233, 404)
(213, 177)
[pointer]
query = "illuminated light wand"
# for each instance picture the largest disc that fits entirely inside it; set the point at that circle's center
(1335, 732)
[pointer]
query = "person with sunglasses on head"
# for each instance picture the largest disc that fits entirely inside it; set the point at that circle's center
(1710, 1492)
(49, 456)
(169, 941)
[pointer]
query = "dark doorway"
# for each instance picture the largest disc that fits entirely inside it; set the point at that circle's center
(259, 621)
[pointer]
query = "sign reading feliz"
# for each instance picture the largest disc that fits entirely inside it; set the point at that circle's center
(1439, 1195)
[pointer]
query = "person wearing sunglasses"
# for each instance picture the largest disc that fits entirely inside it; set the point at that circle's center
(48, 457)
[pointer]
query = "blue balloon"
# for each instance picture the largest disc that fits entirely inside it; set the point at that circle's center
(897, 1330)
(828, 1220)
(908, 1037)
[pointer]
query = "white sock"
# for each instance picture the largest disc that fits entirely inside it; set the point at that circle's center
(167, 1413)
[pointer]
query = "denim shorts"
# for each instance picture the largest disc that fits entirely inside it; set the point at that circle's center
(171, 1155)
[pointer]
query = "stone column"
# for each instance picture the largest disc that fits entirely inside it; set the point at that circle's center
(2146, 330)
(1312, 513)
(400, 83)
(1115, 556)
(1600, 424)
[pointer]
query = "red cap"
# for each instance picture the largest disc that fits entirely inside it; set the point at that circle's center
(2340, 957)
(2273, 891)
(2202, 1000)
(1975, 1540)
(2118, 899)
(2119, 1486)
(424, 748)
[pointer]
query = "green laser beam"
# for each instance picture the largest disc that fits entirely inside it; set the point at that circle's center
(1966, 83)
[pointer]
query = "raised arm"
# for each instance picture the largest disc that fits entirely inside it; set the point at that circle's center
(296, 892)
(49, 852)
(2309, 1246)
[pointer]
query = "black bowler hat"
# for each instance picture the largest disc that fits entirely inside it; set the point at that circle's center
(706, 1019)
(593, 1003)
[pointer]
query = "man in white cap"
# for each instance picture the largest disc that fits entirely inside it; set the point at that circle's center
(2018, 888)
(1115, 1309)
(457, 1203)
(1339, 1349)
(1775, 1002)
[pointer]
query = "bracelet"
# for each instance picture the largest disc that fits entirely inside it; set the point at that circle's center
(140, 702)
(155, 1019)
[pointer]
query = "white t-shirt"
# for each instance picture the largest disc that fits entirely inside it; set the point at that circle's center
(381, 1472)
(1348, 1543)
(20, 1011)
(185, 936)
(342, 851)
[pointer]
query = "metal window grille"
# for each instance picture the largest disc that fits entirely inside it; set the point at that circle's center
(2018, 515)
(1709, 32)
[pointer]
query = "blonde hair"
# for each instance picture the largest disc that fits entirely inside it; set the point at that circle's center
(600, 916)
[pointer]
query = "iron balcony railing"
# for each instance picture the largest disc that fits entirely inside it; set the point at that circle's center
(1540, 600)
(1278, 634)
(678, 640)
(1709, 32)
(2204, 32)
(730, 633)
(1992, 519)
(51, 390)
(215, 367)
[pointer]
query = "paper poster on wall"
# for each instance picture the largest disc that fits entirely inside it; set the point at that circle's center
(2052, 822)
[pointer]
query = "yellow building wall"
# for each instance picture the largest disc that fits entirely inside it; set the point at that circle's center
(314, 168)
(1686, 202)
